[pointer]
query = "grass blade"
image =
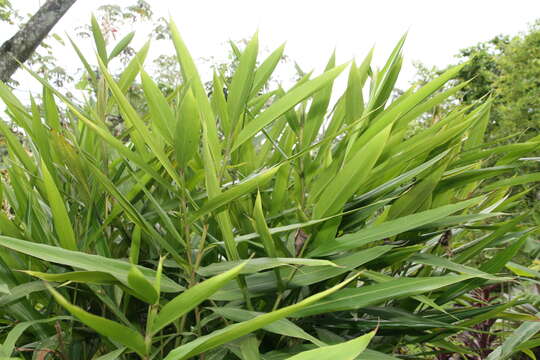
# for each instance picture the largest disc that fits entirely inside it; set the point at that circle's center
(111, 329)
(191, 298)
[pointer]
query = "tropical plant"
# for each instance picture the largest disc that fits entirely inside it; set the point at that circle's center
(256, 223)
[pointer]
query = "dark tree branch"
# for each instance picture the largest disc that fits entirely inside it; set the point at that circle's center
(21, 46)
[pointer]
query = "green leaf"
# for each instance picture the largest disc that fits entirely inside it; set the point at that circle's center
(62, 224)
(517, 337)
(345, 351)
(290, 227)
(249, 348)
(318, 108)
(350, 177)
(131, 117)
(113, 355)
(134, 215)
(190, 74)
(408, 104)
(493, 265)
(232, 332)
(122, 44)
(51, 110)
(14, 145)
(86, 65)
(21, 291)
(191, 298)
(95, 277)
(262, 228)
(265, 70)
(521, 270)
(432, 260)
(391, 228)
(357, 298)
(476, 247)
(107, 136)
(108, 328)
(260, 264)
(518, 180)
(6, 349)
(421, 192)
(99, 40)
(160, 111)
(188, 130)
(219, 105)
(213, 190)
(281, 327)
(117, 268)
(375, 355)
(286, 103)
(243, 188)
(242, 81)
(135, 65)
(142, 286)
(265, 282)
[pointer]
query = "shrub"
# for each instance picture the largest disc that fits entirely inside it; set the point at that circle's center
(256, 224)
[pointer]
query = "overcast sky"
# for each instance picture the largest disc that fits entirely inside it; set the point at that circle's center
(312, 29)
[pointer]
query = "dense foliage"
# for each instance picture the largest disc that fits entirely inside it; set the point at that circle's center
(256, 223)
(507, 67)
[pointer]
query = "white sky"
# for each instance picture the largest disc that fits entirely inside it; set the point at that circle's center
(312, 29)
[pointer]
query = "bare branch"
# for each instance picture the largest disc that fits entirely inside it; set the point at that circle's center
(21, 46)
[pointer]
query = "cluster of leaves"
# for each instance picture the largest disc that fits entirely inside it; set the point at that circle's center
(257, 223)
(8, 13)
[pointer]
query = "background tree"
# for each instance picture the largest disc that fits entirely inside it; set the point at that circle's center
(506, 68)
(517, 87)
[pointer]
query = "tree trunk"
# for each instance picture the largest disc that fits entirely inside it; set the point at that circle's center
(21, 46)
